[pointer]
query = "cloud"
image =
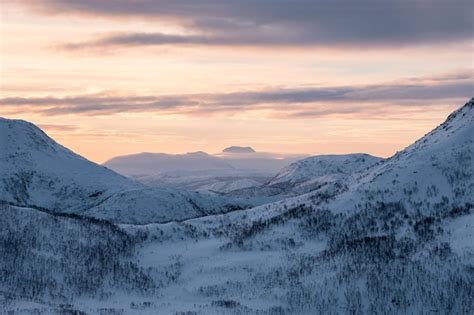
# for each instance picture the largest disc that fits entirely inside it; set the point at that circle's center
(362, 23)
(57, 128)
(288, 102)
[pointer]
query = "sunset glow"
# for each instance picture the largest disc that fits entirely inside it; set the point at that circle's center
(162, 76)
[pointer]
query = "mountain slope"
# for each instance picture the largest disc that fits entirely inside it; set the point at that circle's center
(433, 173)
(310, 174)
(159, 205)
(436, 172)
(307, 174)
(57, 257)
(322, 165)
(37, 171)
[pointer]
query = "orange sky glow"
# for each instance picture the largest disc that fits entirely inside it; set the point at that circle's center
(112, 84)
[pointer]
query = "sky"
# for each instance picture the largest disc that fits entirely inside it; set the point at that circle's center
(108, 78)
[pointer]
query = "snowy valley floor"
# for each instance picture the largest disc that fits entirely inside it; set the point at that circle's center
(271, 262)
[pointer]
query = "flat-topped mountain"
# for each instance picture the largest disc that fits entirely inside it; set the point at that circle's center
(237, 149)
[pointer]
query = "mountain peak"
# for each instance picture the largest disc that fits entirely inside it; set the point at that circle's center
(197, 154)
(237, 149)
(464, 109)
(20, 137)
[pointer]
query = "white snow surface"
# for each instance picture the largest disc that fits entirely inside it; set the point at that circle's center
(36, 170)
(312, 168)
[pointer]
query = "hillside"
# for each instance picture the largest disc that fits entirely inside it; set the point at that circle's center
(37, 171)
(159, 205)
(310, 174)
(312, 168)
(49, 258)
(434, 173)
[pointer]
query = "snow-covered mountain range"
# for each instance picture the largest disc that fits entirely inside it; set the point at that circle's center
(370, 236)
(232, 169)
(36, 171)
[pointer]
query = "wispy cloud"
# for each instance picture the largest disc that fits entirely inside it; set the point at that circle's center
(361, 23)
(303, 102)
(58, 127)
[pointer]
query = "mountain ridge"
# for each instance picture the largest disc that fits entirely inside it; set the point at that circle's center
(37, 171)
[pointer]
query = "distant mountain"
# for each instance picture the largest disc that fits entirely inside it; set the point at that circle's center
(37, 171)
(237, 149)
(310, 174)
(156, 163)
(236, 168)
(315, 167)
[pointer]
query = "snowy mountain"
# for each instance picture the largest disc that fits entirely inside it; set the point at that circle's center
(234, 168)
(37, 171)
(435, 172)
(395, 238)
(310, 174)
(237, 149)
(315, 167)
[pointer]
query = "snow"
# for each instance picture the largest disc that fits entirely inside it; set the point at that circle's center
(221, 181)
(392, 237)
(161, 205)
(36, 171)
(312, 168)
(460, 233)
